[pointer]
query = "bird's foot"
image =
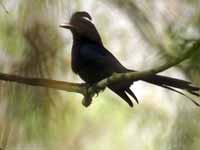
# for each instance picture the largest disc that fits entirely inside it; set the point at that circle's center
(87, 100)
(91, 91)
(96, 90)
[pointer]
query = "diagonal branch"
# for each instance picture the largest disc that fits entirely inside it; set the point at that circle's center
(89, 93)
(134, 76)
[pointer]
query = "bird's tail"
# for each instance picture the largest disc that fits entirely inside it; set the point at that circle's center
(122, 92)
(171, 83)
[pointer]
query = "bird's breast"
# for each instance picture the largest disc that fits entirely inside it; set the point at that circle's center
(88, 71)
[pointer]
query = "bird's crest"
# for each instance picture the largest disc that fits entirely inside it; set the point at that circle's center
(81, 14)
(81, 20)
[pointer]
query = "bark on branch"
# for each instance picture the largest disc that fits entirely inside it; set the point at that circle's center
(89, 92)
(48, 83)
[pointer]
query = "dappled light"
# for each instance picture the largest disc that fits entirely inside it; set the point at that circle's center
(42, 109)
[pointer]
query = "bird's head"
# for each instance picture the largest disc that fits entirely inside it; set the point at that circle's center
(81, 26)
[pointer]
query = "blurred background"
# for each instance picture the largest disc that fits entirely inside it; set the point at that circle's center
(142, 34)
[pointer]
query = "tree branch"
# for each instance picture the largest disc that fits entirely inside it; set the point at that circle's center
(48, 83)
(134, 76)
(89, 92)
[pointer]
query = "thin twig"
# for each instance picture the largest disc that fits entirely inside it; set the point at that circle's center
(3, 7)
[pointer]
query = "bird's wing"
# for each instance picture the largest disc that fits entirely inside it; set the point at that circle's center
(97, 54)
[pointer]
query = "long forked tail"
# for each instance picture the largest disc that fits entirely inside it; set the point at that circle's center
(122, 92)
(171, 83)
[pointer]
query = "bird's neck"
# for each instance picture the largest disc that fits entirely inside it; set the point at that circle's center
(86, 38)
(80, 40)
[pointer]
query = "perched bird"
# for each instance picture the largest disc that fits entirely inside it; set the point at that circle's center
(93, 62)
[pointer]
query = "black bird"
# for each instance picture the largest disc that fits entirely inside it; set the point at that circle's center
(93, 62)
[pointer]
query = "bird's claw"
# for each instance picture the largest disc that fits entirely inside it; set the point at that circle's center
(87, 100)
(97, 90)
(91, 91)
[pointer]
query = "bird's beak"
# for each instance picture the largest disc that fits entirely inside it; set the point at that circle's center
(66, 25)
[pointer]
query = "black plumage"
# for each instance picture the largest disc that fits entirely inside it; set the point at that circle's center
(93, 62)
